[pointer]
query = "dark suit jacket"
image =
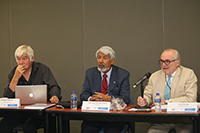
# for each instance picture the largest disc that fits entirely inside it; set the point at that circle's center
(118, 85)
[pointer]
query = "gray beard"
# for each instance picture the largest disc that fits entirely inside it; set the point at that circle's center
(103, 70)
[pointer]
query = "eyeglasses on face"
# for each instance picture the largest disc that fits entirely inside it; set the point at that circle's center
(167, 62)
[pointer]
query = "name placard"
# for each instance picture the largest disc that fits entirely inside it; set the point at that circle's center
(96, 106)
(182, 107)
(9, 102)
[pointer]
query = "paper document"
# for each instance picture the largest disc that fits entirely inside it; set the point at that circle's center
(140, 110)
(133, 109)
(39, 106)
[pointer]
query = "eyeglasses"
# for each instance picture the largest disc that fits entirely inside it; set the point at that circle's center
(167, 62)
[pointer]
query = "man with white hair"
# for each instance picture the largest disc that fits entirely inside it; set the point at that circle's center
(101, 84)
(175, 83)
(28, 72)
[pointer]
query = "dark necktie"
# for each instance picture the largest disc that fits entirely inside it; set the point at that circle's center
(104, 86)
(168, 88)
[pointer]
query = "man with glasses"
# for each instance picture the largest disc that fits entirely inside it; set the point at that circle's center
(175, 83)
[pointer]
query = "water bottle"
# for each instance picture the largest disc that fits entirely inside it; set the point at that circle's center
(158, 103)
(73, 100)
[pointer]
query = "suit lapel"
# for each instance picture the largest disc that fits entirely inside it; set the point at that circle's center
(162, 82)
(97, 81)
(113, 78)
(175, 81)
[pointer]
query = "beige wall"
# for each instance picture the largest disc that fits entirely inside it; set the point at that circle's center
(65, 35)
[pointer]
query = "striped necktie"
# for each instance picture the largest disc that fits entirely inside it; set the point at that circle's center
(168, 88)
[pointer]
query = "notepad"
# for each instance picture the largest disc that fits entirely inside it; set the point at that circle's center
(39, 106)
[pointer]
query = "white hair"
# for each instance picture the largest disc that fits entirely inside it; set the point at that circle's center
(177, 55)
(106, 50)
(22, 50)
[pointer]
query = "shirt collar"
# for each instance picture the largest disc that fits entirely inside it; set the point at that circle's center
(108, 73)
(172, 74)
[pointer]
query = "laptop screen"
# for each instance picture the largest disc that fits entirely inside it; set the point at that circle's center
(29, 94)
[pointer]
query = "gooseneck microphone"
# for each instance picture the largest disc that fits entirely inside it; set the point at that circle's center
(146, 76)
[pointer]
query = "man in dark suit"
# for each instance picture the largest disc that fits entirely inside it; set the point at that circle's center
(102, 83)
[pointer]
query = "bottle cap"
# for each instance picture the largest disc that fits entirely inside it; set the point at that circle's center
(73, 91)
(157, 94)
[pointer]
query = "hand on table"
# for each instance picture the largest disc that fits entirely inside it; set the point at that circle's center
(100, 97)
(54, 99)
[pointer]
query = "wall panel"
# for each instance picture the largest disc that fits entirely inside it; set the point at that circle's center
(182, 31)
(54, 30)
(132, 28)
(65, 35)
(4, 44)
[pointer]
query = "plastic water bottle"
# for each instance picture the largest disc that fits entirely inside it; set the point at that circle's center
(73, 100)
(158, 103)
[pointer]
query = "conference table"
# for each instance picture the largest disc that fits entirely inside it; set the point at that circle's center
(21, 112)
(66, 114)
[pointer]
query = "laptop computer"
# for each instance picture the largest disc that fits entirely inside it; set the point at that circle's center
(29, 94)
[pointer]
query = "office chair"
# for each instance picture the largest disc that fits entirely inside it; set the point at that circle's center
(52, 124)
(172, 130)
(130, 126)
(20, 127)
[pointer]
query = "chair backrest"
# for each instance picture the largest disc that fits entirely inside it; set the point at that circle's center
(131, 100)
(198, 97)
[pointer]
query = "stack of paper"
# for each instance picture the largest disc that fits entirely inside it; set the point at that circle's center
(39, 106)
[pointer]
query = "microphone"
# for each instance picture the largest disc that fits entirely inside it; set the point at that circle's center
(142, 79)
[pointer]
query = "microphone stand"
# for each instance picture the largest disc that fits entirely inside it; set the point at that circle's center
(142, 93)
(142, 90)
